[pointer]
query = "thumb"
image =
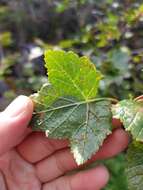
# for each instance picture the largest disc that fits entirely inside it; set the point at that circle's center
(14, 121)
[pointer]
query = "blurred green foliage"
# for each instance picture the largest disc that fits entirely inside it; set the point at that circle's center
(109, 31)
(5, 39)
(116, 168)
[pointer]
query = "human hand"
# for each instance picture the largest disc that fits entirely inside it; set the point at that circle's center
(31, 161)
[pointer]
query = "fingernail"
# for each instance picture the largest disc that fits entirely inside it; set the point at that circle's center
(17, 107)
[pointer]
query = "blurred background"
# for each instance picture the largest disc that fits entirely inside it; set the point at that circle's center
(109, 32)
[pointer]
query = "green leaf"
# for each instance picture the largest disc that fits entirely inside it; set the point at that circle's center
(66, 108)
(6, 39)
(130, 112)
(120, 59)
(72, 75)
(90, 134)
(134, 166)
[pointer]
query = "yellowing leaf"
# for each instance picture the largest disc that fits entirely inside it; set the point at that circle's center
(67, 108)
(72, 75)
(130, 112)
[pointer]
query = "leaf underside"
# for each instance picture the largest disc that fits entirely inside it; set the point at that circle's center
(130, 112)
(66, 108)
(134, 167)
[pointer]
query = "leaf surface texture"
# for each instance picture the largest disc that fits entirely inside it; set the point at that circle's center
(67, 107)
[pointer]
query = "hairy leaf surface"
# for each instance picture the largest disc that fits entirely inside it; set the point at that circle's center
(134, 168)
(130, 112)
(66, 108)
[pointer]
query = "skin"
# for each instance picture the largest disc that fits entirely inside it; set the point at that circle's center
(30, 161)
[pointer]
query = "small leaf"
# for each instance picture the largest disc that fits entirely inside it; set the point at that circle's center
(134, 168)
(66, 108)
(130, 112)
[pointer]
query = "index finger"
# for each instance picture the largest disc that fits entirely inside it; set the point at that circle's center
(37, 146)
